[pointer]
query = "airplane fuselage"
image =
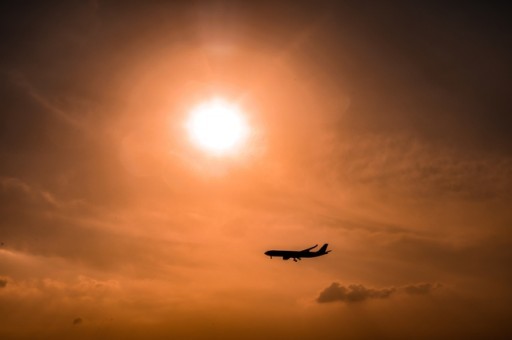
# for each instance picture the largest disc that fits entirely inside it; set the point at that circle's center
(297, 255)
(292, 254)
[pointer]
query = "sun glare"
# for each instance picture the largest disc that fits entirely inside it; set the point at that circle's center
(217, 126)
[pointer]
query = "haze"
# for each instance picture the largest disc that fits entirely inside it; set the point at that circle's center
(382, 130)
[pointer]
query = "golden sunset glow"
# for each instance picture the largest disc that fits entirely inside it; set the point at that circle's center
(153, 152)
(217, 126)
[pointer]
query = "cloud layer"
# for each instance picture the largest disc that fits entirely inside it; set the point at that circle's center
(382, 130)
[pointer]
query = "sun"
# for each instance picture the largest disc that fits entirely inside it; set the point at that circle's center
(217, 126)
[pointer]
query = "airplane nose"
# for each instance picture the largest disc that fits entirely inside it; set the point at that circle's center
(266, 253)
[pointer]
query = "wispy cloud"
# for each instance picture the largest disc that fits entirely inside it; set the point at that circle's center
(18, 186)
(51, 106)
(421, 288)
(406, 164)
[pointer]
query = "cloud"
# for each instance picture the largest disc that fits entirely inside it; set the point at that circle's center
(359, 293)
(407, 164)
(16, 188)
(491, 255)
(38, 222)
(352, 293)
(3, 283)
(55, 108)
(77, 321)
(421, 288)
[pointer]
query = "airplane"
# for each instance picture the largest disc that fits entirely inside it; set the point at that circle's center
(292, 254)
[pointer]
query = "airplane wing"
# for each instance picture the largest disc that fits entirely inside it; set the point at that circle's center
(308, 249)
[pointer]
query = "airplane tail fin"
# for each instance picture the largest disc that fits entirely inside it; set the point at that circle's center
(323, 249)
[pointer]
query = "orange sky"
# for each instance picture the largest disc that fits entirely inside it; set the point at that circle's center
(383, 131)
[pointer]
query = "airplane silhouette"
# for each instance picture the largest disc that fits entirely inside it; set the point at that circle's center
(292, 254)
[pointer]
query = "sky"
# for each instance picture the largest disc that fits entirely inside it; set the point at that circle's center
(381, 129)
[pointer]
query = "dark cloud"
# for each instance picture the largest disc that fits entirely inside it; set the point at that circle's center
(359, 293)
(77, 321)
(352, 293)
(3, 283)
